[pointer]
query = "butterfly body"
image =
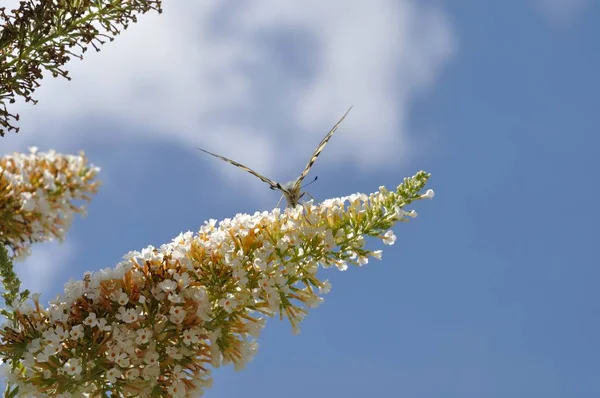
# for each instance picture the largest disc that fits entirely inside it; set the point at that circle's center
(291, 190)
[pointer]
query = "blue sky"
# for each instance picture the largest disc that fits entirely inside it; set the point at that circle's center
(490, 292)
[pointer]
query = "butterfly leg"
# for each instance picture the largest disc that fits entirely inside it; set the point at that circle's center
(279, 201)
(306, 193)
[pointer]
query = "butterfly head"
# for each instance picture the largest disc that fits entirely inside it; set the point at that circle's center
(292, 192)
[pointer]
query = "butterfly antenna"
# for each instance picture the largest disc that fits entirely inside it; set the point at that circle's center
(315, 179)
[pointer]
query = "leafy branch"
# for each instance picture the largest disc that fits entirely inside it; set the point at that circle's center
(46, 34)
(10, 283)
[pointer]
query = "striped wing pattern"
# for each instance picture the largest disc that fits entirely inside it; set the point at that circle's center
(272, 183)
(319, 149)
(291, 191)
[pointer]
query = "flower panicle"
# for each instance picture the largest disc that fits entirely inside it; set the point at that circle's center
(158, 322)
(39, 194)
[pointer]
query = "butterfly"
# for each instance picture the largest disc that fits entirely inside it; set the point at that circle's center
(292, 190)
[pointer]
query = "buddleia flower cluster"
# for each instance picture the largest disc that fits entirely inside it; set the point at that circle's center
(157, 323)
(39, 194)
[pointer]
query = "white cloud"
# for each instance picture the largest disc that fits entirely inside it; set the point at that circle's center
(228, 78)
(560, 12)
(40, 271)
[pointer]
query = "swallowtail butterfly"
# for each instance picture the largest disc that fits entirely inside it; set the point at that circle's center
(292, 189)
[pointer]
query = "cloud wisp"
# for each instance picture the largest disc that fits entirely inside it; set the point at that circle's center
(208, 74)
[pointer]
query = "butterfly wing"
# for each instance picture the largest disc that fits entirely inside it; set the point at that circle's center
(318, 151)
(273, 184)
